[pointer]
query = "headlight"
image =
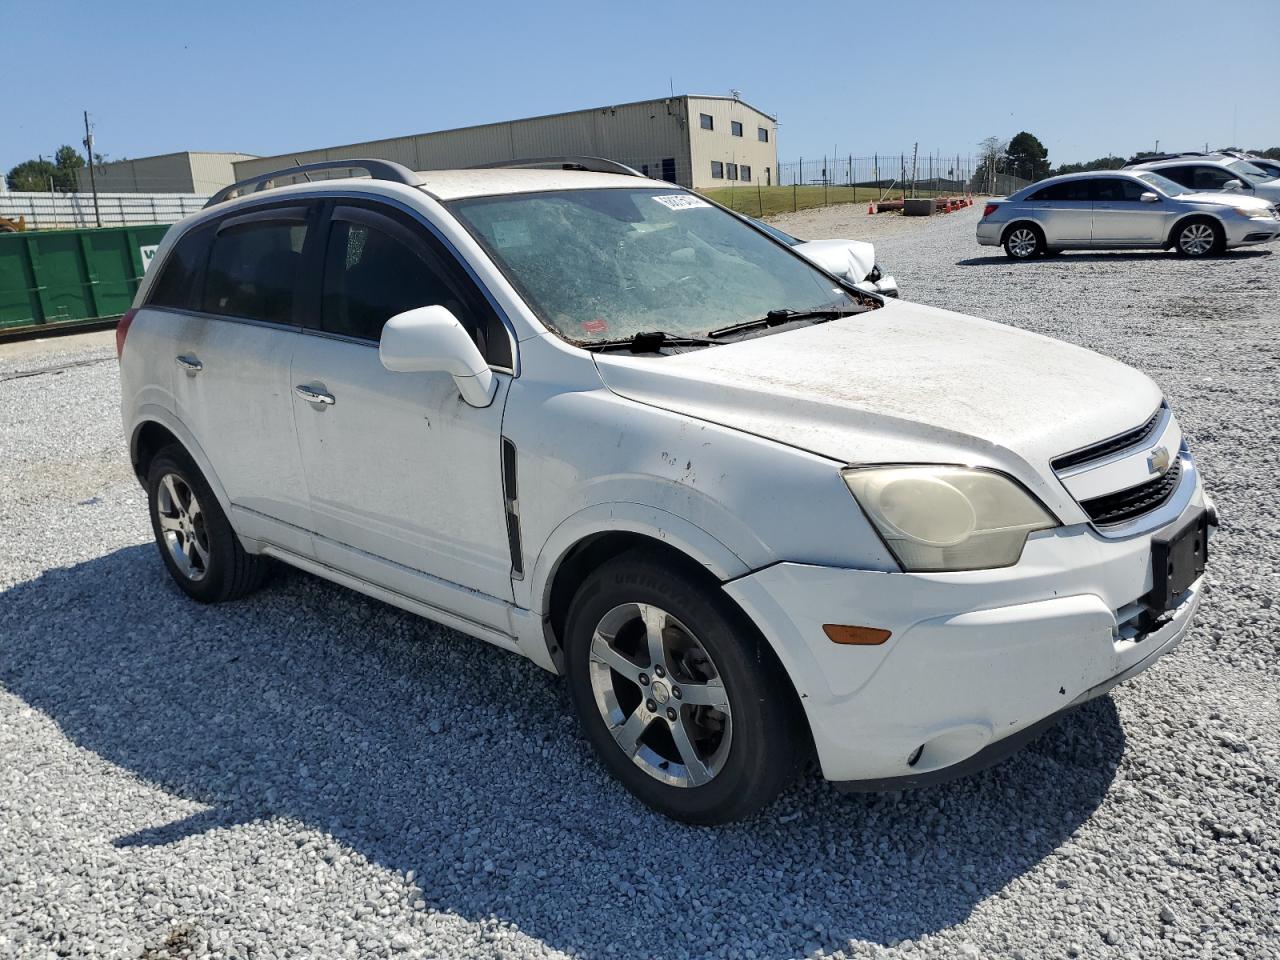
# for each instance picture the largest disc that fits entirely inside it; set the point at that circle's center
(948, 518)
(1253, 212)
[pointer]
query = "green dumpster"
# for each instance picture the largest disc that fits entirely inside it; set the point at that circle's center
(55, 278)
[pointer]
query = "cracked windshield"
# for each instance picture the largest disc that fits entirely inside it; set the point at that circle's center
(603, 265)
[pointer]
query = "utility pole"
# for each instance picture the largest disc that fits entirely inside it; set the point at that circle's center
(93, 180)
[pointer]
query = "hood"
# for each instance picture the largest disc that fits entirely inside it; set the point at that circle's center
(852, 259)
(1226, 199)
(903, 383)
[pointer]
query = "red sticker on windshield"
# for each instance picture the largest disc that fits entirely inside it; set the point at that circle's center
(595, 326)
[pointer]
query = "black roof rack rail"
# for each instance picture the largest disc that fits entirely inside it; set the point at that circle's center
(589, 164)
(377, 170)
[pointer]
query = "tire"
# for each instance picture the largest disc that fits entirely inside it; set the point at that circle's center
(720, 760)
(1024, 241)
(200, 550)
(1198, 237)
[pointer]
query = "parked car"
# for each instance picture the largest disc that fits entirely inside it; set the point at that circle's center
(753, 515)
(853, 260)
(1213, 173)
(1106, 210)
(1270, 167)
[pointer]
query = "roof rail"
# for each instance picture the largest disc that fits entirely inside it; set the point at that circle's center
(590, 164)
(377, 170)
(1134, 161)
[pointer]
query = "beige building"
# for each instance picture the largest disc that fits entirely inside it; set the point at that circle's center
(185, 172)
(701, 142)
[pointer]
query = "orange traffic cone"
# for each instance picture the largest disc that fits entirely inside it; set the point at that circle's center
(871, 207)
(948, 208)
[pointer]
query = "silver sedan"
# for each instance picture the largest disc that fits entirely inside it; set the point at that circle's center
(1139, 209)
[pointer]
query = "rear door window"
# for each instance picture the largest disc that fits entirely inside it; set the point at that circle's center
(254, 265)
(1069, 190)
(1211, 178)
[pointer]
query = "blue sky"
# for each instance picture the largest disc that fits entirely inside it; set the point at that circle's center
(1088, 78)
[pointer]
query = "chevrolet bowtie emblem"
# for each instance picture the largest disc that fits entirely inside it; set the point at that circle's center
(1158, 461)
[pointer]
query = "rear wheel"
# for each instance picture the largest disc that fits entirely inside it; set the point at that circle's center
(200, 550)
(1198, 238)
(680, 696)
(1023, 242)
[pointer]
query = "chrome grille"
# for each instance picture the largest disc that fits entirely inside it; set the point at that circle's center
(1104, 448)
(1125, 505)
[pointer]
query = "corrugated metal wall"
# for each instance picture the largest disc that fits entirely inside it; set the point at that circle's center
(643, 135)
(168, 173)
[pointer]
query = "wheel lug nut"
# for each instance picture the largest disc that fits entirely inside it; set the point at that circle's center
(651, 706)
(644, 679)
(675, 691)
(671, 715)
(660, 671)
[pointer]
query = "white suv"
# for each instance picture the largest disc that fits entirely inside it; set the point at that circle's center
(754, 514)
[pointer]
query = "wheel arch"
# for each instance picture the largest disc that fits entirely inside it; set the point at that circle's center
(155, 429)
(1171, 239)
(597, 533)
(1022, 221)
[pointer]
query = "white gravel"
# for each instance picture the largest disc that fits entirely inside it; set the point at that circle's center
(312, 774)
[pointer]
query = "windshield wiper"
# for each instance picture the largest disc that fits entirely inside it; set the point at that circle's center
(775, 318)
(649, 342)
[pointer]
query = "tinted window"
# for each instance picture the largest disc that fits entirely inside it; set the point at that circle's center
(1117, 190)
(731, 171)
(1073, 190)
(1210, 178)
(1182, 175)
(735, 128)
(375, 268)
(176, 284)
(253, 270)
(744, 172)
(705, 121)
(762, 134)
(370, 276)
(717, 170)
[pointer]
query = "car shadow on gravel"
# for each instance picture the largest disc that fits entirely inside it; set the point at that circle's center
(1084, 256)
(424, 750)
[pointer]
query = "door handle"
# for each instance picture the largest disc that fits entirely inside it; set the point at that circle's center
(189, 364)
(312, 395)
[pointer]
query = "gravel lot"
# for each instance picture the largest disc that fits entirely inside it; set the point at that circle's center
(312, 774)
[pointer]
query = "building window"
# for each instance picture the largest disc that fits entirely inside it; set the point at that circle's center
(705, 121)
(762, 134)
(735, 128)
(717, 170)
(731, 169)
(746, 172)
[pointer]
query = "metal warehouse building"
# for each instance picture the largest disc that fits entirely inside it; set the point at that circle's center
(185, 172)
(696, 141)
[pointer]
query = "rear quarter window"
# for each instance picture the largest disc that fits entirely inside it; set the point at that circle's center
(175, 286)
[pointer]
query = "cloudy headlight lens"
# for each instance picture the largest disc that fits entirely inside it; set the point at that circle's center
(948, 518)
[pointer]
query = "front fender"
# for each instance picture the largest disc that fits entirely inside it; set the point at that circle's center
(640, 518)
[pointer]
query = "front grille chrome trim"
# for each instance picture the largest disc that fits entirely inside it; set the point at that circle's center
(1113, 447)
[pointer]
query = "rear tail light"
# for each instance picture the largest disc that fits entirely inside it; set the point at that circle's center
(989, 209)
(122, 331)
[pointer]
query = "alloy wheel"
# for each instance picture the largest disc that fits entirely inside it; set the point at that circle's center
(1022, 242)
(1197, 239)
(182, 526)
(660, 695)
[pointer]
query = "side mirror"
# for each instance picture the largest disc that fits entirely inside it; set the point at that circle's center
(1149, 197)
(1231, 186)
(430, 339)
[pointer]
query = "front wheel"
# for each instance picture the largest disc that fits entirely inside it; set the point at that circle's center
(1024, 242)
(1198, 238)
(679, 695)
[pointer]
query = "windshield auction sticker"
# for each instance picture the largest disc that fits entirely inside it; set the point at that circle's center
(682, 201)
